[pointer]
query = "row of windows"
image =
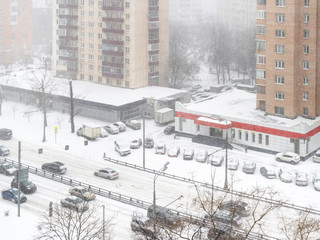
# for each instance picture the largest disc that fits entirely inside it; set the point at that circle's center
(253, 136)
(282, 3)
(280, 64)
(280, 111)
(279, 17)
(280, 96)
(261, 74)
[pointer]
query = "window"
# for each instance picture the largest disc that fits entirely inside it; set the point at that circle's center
(91, 2)
(91, 24)
(279, 110)
(91, 34)
(127, 16)
(260, 138)
(127, 27)
(118, 82)
(279, 48)
(261, 14)
(239, 134)
(267, 139)
(279, 80)
(280, 18)
(90, 78)
(261, 89)
(305, 65)
(261, 29)
(305, 80)
(279, 64)
(253, 137)
(198, 128)
(91, 67)
(127, 5)
(306, 3)
(280, 33)
(280, 3)
(127, 72)
(305, 96)
(261, 74)
(306, 33)
(247, 135)
(306, 49)
(81, 76)
(306, 18)
(99, 79)
(127, 50)
(305, 111)
(261, 59)
(91, 13)
(127, 61)
(261, 2)
(127, 38)
(261, 45)
(109, 81)
(91, 45)
(91, 56)
(279, 95)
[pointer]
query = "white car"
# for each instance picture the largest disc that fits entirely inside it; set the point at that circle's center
(301, 179)
(188, 154)
(316, 181)
(285, 176)
(103, 133)
(202, 156)
(160, 148)
(111, 129)
(233, 164)
(74, 203)
(316, 157)
(120, 125)
(107, 173)
(288, 157)
(135, 143)
(82, 192)
(216, 160)
(174, 151)
(122, 148)
(249, 167)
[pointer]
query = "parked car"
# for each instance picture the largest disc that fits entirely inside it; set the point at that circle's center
(241, 208)
(122, 148)
(142, 224)
(122, 127)
(135, 143)
(222, 231)
(202, 156)
(4, 151)
(107, 173)
(7, 169)
(133, 124)
(111, 129)
(5, 133)
(26, 186)
(54, 167)
(316, 157)
(103, 133)
(149, 143)
(169, 130)
(288, 157)
(75, 203)
(173, 151)
(285, 176)
(249, 167)
(160, 148)
(268, 173)
(82, 192)
(216, 160)
(316, 181)
(227, 217)
(188, 154)
(233, 164)
(163, 215)
(12, 195)
(301, 179)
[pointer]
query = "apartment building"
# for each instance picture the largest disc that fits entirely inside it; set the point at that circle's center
(15, 31)
(288, 80)
(123, 43)
(186, 11)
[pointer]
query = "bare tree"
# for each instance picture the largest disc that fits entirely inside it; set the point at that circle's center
(68, 224)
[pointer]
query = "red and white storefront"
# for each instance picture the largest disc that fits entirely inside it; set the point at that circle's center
(274, 134)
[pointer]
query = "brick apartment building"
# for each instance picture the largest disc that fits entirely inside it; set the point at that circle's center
(15, 31)
(288, 80)
(122, 43)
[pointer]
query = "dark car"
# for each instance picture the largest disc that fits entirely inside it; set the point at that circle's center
(163, 215)
(12, 195)
(7, 169)
(239, 207)
(149, 143)
(5, 133)
(4, 151)
(268, 173)
(26, 186)
(226, 217)
(169, 130)
(54, 167)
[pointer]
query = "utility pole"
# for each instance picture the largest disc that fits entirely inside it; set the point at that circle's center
(71, 107)
(104, 223)
(144, 135)
(18, 175)
(226, 162)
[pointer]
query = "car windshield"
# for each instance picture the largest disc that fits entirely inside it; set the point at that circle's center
(26, 182)
(135, 141)
(84, 190)
(112, 171)
(7, 166)
(160, 147)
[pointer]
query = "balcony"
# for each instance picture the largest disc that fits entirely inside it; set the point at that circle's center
(68, 58)
(118, 20)
(153, 29)
(73, 6)
(119, 9)
(68, 48)
(112, 53)
(153, 19)
(153, 41)
(74, 38)
(154, 74)
(105, 30)
(153, 52)
(153, 63)
(110, 64)
(72, 69)
(73, 27)
(114, 42)
(112, 75)
(68, 16)
(154, 8)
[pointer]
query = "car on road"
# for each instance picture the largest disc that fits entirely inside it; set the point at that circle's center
(249, 167)
(111, 129)
(163, 214)
(301, 179)
(26, 186)
(74, 203)
(82, 192)
(7, 169)
(5, 133)
(173, 151)
(290, 157)
(122, 127)
(233, 164)
(133, 124)
(285, 176)
(202, 156)
(122, 148)
(4, 151)
(241, 208)
(169, 130)
(149, 142)
(188, 154)
(12, 195)
(160, 148)
(227, 217)
(316, 157)
(316, 181)
(54, 167)
(107, 173)
(268, 173)
(216, 160)
(135, 143)
(103, 133)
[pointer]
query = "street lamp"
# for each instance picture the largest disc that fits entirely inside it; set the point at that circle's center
(226, 162)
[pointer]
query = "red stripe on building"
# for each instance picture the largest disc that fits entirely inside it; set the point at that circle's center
(214, 125)
(256, 128)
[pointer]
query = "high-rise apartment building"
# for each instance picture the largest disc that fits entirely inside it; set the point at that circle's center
(15, 31)
(287, 70)
(122, 43)
(186, 11)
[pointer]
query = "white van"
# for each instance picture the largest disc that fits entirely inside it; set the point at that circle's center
(316, 157)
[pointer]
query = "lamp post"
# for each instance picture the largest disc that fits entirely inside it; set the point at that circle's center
(226, 162)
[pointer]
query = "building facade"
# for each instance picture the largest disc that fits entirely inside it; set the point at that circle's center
(186, 11)
(288, 80)
(122, 43)
(16, 29)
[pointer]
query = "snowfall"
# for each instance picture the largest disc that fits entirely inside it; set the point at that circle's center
(82, 160)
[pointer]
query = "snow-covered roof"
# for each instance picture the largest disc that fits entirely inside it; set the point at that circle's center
(164, 110)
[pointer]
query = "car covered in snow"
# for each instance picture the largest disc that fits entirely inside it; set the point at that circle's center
(301, 179)
(135, 143)
(216, 160)
(202, 156)
(188, 154)
(316, 157)
(122, 148)
(173, 151)
(268, 172)
(82, 192)
(149, 142)
(233, 164)
(289, 157)
(285, 176)
(120, 125)
(249, 167)
(160, 148)
(111, 129)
